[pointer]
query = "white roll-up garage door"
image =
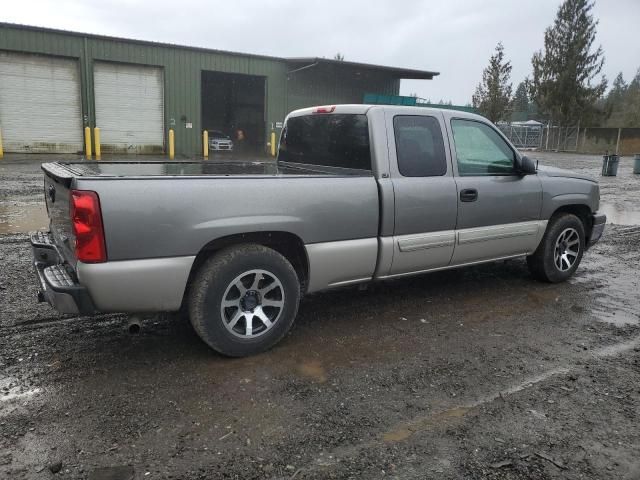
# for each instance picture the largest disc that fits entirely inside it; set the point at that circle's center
(40, 105)
(129, 107)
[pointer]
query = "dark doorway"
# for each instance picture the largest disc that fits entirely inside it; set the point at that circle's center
(232, 102)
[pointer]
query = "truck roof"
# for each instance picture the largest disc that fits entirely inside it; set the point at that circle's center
(362, 109)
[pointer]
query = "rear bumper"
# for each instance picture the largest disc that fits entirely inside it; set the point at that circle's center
(599, 220)
(58, 286)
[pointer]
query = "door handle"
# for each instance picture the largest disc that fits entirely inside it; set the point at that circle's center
(468, 195)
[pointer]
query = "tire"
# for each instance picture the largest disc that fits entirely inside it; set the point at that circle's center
(556, 258)
(260, 291)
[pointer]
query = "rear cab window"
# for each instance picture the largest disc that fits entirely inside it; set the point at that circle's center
(332, 140)
(419, 146)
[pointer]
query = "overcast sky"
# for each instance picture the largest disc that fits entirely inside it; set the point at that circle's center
(453, 37)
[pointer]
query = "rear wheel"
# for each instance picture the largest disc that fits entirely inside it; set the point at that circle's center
(244, 300)
(560, 251)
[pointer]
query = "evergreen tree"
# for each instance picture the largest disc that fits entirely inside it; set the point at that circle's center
(618, 89)
(563, 72)
(493, 94)
(339, 56)
(631, 103)
(521, 98)
(615, 102)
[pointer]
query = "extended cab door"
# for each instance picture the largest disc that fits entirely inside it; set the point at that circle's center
(498, 208)
(424, 191)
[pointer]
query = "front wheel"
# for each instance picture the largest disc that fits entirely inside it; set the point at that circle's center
(560, 251)
(244, 300)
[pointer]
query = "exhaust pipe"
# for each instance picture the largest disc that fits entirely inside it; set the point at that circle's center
(134, 324)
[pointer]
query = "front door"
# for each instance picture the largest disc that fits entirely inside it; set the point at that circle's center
(498, 209)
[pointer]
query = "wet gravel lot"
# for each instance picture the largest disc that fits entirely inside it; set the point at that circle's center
(475, 373)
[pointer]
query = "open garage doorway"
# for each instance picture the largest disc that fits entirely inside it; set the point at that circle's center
(233, 102)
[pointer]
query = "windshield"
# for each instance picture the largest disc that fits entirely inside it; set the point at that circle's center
(218, 134)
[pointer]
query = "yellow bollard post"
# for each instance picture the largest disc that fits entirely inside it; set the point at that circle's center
(273, 144)
(172, 152)
(96, 140)
(1, 148)
(205, 144)
(87, 142)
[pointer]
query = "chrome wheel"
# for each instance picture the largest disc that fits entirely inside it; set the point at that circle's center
(252, 303)
(566, 249)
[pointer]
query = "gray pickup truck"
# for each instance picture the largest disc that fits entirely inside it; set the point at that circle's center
(358, 193)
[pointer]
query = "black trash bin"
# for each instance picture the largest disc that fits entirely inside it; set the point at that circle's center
(610, 165)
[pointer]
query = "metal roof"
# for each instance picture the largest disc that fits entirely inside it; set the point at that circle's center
(406, 73)
(151, 43)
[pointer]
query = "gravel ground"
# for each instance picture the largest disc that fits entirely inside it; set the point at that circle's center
(475, 373)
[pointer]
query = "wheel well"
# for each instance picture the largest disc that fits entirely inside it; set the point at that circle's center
(286, 244)
(582, 212)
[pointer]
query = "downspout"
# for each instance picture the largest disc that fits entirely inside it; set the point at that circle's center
(86, 81)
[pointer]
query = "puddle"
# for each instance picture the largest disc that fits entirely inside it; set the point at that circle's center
(14, 391)
(313, 370)
(619, 318)
(23, 218)
(618, 348)
(616, 305)
(397, 435)
(445, 417)
(122, 472)
(619, 215)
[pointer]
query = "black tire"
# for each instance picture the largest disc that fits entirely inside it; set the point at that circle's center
(215, 282)
(543, 263)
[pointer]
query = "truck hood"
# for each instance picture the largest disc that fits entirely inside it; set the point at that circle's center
(561, 172)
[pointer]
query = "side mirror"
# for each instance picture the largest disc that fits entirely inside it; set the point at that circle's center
(526, 166)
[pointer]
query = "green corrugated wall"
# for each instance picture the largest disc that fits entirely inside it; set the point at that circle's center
(182, 67)
(328, 84)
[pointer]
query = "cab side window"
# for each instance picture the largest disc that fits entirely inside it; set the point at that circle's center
(419, 146)
(480, 150)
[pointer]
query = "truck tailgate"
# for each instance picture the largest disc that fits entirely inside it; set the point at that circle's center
(57, 187)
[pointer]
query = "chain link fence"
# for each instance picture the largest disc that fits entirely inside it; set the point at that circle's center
(542, 137)
(560, 139)
(524, 136)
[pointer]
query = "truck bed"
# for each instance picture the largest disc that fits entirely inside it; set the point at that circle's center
(172, 209)
(115, 169)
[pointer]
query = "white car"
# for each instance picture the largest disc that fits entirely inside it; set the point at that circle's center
(218, 141)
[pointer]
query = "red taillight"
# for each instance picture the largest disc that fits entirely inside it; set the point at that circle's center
(86, 219)
(325, 109)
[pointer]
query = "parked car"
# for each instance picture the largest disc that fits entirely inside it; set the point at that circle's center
(358, 194)
(219, 141)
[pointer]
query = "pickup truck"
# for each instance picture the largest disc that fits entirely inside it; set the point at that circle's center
(358, 193)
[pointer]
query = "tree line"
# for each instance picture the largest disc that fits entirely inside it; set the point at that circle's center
(566, 86)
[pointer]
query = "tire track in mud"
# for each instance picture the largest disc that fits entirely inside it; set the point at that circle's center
(454, 415)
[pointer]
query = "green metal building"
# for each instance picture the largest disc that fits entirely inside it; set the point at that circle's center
(54, 83)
